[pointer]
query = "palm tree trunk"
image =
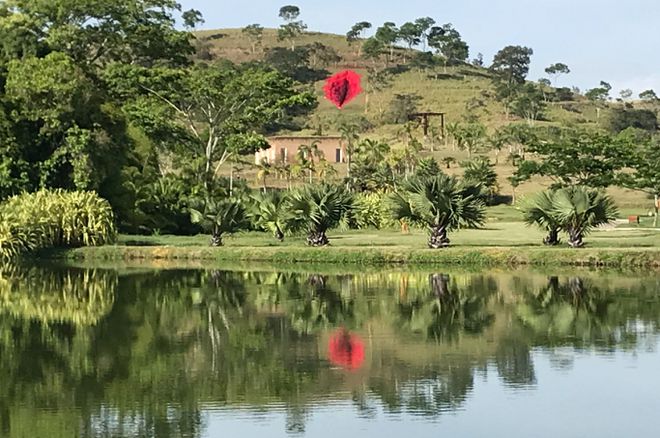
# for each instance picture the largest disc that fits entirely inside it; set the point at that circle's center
(216, 238)
(317, 238)
(279, 235)
(438, 237)
(575, 238)
(552, 239)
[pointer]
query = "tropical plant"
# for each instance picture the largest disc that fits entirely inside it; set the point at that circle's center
(427, 167)
(54, 218)
(480, 171)
(580, 209)
(270, 212)
(264, 169)
(441, 203)
(370, 211)
(318, 208)
(220, 217)
(540, 210)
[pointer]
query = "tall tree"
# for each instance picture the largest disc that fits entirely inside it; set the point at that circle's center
(556, 70)
(424, 25)
(388, 34)
(354, 35)
(511, 64)
(529, 103)
(447, 41)
(255, 34)
(293, 27)
(600, 93)
(217, 113)
(410, 34)
(510, 67)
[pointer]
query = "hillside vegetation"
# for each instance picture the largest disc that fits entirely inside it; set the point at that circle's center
(460, 92)
(450, 90)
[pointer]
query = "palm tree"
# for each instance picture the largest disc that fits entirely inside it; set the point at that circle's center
(480, 171)
(270, 212)
(580, 209)
(318, 208)
(441, 203)
(225, 216)
(306, 156)
(264, 169)
(540, 210)
(350, 136)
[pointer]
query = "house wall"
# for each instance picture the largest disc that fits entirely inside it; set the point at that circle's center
(285, 149)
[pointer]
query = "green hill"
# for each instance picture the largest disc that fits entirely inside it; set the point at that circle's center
(447, 90)
(450, 90)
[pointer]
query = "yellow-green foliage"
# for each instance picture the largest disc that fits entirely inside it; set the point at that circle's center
(370, 211)
(54, 218)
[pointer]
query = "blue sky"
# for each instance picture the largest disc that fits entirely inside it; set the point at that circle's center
(613, 40)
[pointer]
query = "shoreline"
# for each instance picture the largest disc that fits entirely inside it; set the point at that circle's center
(626, 258)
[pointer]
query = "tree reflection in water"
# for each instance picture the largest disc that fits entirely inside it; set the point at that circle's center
(103, 353)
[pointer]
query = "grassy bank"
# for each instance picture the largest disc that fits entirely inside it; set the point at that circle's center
(499, 244)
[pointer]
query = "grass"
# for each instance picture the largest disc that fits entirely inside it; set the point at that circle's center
(499, 243)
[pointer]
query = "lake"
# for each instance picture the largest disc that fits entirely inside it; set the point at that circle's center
(380, 352)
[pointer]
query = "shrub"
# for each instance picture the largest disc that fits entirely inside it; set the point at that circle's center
(370, 211)
(54, 218)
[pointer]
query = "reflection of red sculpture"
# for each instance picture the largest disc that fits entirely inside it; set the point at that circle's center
(346, 350)
(342, 87)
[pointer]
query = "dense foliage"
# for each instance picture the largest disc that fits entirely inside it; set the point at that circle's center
(54, 219)
(575, 210)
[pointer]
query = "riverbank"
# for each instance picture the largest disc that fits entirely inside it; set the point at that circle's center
(486, 256)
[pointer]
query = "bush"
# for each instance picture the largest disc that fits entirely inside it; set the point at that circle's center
(370, 211)
(54, 218)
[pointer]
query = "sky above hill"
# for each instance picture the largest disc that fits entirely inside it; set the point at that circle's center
(613, 40)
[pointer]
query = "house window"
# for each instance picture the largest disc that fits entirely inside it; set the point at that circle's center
(338, 155)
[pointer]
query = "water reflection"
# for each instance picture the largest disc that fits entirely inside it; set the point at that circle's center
(97, 353)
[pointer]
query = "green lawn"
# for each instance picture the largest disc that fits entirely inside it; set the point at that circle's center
(494, 234)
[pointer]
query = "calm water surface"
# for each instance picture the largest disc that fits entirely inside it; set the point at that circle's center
(193, 353)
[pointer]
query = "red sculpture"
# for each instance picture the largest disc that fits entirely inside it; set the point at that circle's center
(342, 87)
(346, 350)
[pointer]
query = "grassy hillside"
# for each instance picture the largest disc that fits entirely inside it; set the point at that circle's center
(449, 92)
(445, 90)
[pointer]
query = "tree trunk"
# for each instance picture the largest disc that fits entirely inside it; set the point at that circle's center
(279, 235)
(317, 238)
(231, 180)
(575, 238)
(552, 239)
(438, 237)
(216, 238)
